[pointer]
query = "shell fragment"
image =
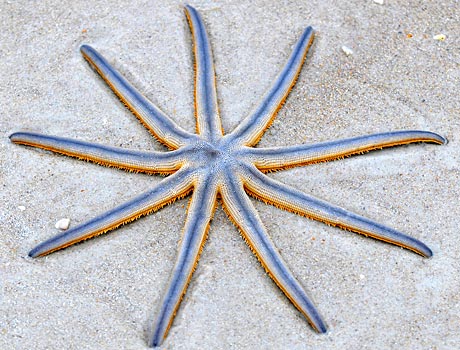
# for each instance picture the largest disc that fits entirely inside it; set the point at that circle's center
(63, 224)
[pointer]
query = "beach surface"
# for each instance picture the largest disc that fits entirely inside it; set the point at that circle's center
(373, 67)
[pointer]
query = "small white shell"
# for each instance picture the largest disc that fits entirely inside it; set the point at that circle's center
(380, 2)
(347, 50)
(63, 224)
(22, 208)
(439, 37)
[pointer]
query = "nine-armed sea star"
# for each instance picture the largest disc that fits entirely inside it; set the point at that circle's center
(212, 166)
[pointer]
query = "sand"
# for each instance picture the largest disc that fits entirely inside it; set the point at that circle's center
(103, 294)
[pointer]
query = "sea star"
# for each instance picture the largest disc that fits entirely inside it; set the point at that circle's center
(216, 166)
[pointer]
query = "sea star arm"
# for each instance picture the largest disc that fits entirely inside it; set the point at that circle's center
(288, 198)
(158, 123)
(147, 162)
(168, 190)
(243, 214)
(208, 122)
(199, 214)
(253, 127)
(268, 159)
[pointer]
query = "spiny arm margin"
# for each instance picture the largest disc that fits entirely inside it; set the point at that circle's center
(277, 158)
(273, 192)
(146, 162)
(168, 190)
(199, 215)
(243, 214)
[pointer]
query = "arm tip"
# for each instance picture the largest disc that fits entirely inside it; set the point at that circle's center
(33, 253)
(17, 137)
(85, 48)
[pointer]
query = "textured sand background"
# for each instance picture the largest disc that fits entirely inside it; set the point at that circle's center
(103, 294)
